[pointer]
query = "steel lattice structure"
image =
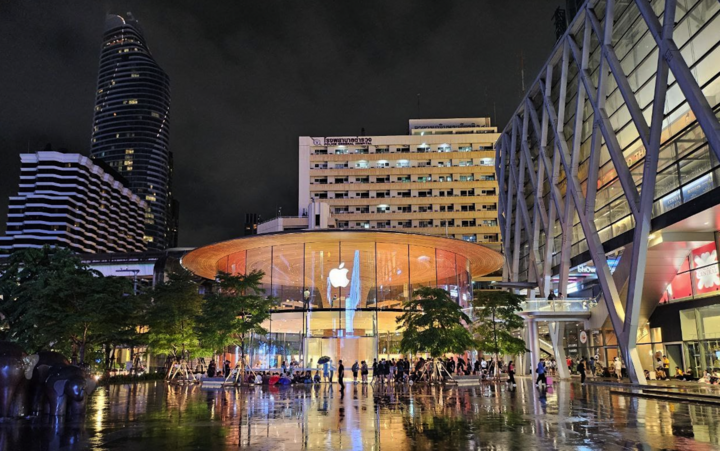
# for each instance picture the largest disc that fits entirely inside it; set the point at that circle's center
(550, 160)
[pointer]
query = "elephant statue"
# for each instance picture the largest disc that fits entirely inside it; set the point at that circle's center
(67, 389)
(15, 368)
(45, 360)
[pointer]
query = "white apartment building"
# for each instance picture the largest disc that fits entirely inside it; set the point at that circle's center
(439, 179)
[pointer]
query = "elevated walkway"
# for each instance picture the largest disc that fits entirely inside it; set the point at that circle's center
(558, 309)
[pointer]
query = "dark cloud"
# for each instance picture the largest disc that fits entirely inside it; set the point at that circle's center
(248, 78)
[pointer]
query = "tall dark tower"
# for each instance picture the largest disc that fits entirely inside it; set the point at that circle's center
(131, 128)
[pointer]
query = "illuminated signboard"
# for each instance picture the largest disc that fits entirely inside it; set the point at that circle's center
(346, 141)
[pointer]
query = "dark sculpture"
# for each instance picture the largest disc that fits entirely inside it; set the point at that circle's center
(67, 388)
(41, 383)
(46, 360)
(15, 367)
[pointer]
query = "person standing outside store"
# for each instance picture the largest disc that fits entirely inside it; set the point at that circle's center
(355, 368)
(581, 370)
(363, 372)
(326, 371)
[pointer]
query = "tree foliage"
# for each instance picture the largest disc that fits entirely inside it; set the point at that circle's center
(496, 320)
(238, 308)
(434, 323)
(172, 317)
(51, 300)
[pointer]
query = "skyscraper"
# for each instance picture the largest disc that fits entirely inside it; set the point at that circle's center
(131, 129)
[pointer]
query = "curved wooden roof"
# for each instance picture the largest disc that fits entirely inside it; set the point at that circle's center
(203, 261)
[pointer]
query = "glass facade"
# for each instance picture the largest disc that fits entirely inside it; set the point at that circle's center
(687, 168)
(341, 298)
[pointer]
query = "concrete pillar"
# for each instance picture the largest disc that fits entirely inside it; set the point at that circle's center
(557, 332)
(523, 364)
(534, 347)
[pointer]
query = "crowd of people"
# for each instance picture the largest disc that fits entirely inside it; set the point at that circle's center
(403, 371)
(380, 371)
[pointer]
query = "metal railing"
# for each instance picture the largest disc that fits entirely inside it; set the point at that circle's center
(558, 305)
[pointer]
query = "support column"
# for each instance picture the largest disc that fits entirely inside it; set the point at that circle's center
(534, 347)
(524, 362)
(557, 332)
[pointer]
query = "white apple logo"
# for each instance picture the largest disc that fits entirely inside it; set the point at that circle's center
(338, 276)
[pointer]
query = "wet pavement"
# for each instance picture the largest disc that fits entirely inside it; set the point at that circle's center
(154, 416)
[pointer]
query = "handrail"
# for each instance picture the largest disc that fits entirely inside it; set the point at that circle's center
(558, 305)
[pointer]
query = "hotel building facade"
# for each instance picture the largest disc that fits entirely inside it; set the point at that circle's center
(437, 180)
(67, 200)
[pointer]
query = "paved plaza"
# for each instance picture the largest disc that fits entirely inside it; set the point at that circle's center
(153, 416)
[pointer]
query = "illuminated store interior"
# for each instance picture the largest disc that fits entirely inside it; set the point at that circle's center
(340, 292)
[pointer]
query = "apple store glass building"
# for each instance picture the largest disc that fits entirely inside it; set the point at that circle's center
(340, 291)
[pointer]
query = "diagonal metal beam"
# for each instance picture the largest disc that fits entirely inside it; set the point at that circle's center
(608, 52)
(514, 189)
(535, 179)
(687, 83)
(601, 118)
(522, 214)
(597, 252)
(642, 229)
(567, 220)
(552, 175)
(550, 167)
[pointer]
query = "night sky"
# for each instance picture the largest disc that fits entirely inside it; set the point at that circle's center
(248, 78)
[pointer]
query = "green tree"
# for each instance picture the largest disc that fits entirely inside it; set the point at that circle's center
(127, 318)
(236, 309)
(174, 308)
(496, 321)
(434, 323)
(51, 300)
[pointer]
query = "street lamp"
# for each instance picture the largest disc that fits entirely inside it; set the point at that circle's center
(134, 273)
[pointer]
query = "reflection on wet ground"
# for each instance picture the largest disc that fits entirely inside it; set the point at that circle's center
(153, 416)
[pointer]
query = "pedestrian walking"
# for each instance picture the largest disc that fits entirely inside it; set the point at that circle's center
(363, 372)
(581, 370)
(375, 371)
(541, 373)
(511, 373)
(341, 373)
(618, 368)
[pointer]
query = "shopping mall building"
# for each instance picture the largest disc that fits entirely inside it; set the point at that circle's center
(341, 291)
(609, 175)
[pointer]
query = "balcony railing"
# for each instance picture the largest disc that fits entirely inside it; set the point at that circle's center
(559, 305)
